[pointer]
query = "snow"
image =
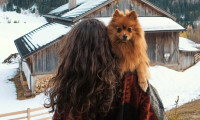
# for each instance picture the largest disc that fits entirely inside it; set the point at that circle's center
(8, 33)
(187, 45)
(11, 31)
(45, 35)
(65, 7)
(8, 100)
(90, 4)
(152, 23)
(26, 17)
(170, 84)
(159, 23)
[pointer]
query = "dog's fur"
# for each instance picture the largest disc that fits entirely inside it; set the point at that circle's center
(129, 45)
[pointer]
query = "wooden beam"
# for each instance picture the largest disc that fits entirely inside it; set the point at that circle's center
(36, 109)
(28, 114)
(13, 113)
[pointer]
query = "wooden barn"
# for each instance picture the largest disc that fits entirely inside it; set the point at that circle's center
(162, 32)
(38, 49)
(38, 54)
(189, 54)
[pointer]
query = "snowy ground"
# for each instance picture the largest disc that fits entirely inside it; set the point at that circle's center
(169, 83)
(8, 97)
(8, 33)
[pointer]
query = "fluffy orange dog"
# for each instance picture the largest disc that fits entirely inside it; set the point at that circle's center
(129, 45)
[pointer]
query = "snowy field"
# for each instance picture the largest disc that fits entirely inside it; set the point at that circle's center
(169, 83)
(8, 33)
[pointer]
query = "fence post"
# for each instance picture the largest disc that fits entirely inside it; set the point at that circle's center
(28, 113)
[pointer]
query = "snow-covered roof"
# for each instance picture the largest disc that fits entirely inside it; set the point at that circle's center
(64, 7)
(187, 45)
(83, 8)
(40, 37)
(89, 5)
(153, 24)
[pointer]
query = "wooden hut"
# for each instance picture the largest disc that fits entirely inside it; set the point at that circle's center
(162, 41)
(38, 51)
(162, 33)
(189, 54)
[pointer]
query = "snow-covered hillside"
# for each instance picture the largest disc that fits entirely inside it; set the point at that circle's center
(11, 31)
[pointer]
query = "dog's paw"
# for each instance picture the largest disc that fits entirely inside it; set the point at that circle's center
(143, 86)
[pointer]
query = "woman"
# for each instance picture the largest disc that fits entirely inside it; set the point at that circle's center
(87, 85)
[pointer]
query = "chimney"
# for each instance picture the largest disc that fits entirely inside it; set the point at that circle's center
(72, 4)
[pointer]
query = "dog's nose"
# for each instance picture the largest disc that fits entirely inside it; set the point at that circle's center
(124, 36)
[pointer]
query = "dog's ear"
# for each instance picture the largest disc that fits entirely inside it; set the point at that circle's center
(117, 13)
(132, 15)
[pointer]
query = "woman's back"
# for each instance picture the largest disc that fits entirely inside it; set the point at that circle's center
(85, 81)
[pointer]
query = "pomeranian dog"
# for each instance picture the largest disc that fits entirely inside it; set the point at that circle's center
(129, 45)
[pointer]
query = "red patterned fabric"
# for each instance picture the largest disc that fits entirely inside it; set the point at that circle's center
(136, 100)
(135, 104)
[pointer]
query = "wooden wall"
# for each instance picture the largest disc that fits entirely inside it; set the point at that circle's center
(161, 43)
(45, 60)
(141, 8)
(186, 59)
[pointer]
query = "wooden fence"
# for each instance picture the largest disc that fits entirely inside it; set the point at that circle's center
(28, 115)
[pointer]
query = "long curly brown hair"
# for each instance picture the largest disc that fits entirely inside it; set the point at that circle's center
(85, 81)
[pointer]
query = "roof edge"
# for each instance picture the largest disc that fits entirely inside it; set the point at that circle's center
(18, 49)
(189, 51)
(56, 17)
(177, 30)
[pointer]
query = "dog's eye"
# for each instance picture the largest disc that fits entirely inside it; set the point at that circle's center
(119, 30)
(129, 29)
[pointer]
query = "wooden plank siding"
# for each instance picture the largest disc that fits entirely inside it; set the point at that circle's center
(141, 8)
(45, 60)
(186, 59)
(161, 43)
(151, 42)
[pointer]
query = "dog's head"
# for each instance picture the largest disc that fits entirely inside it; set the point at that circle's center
(124, 27)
